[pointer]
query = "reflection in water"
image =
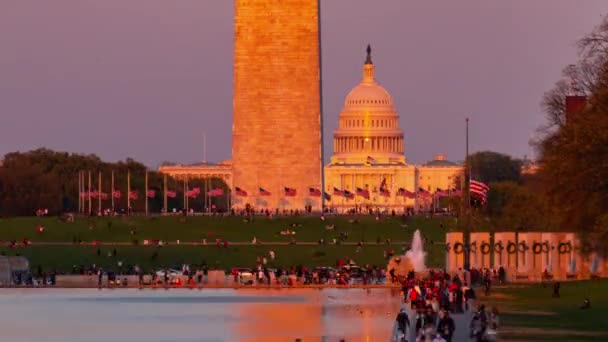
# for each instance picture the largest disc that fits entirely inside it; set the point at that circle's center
(258, 315)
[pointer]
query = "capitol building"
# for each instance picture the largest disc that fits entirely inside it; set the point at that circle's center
(368, 168)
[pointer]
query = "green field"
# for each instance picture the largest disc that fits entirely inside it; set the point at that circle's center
(233, 229)
(62, 258)
(528, 312)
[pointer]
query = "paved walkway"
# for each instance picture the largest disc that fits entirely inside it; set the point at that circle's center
(211, 243)
(461, 334)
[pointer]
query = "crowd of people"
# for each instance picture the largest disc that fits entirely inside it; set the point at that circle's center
(345, 272)
(433, 298)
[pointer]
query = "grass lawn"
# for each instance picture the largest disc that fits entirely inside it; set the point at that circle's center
(233, 229)
(528, 312)
(62, 258)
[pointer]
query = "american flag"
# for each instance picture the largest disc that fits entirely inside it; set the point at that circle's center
(116, 193)
(455, 193)
(215, 192)
(327, 196)
(338, 192)
(348, 194)
(151, 193)
(382, 184)
(405, 193)
(193, 193)
(171, 194)
(479, 189)
(363, 193)
(240, 192)
(290, 191)
(441, 193)
(423, 192)
(133, 195)
(385, 192)
(264, 192)
(84, 194)
(94, 194)
(314, 192)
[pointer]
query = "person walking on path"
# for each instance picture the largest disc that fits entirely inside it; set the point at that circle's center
(479, 324)
(487, 282)
(469, 298)
(403, 323)
(446, 325)
(556, 286)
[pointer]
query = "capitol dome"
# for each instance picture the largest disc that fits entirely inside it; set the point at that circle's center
(369, 93)
(369, 124)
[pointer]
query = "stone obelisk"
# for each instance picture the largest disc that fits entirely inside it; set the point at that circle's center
(276, 133)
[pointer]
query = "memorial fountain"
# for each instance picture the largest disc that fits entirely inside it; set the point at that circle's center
(413, 260)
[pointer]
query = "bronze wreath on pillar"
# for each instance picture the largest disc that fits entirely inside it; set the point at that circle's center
(564, 247)
(473, 247)
(546, 247)
(498, 247)
(522, 247)
(537, 248)
(458, 248)
(511, 247)
(485, 248)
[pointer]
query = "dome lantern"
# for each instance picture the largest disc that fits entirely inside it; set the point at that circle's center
(368, 67)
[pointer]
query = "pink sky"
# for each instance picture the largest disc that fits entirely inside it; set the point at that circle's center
(146, 78)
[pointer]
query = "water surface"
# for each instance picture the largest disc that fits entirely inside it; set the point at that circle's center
(197, 315)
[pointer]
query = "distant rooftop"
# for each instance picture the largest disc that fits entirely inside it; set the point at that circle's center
(440, 160)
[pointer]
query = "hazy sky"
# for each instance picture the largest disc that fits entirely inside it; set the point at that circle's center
(146, 78)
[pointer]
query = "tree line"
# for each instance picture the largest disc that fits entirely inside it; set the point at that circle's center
(46, 179)
(569, 190)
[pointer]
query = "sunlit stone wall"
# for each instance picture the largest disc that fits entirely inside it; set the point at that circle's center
(276, 106)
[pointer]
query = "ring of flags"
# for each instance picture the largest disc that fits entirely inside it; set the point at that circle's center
(477, 189)
(359, 192)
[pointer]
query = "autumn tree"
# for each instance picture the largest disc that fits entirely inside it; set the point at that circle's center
(574, 148)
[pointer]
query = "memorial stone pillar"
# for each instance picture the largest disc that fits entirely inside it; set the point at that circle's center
(524, 256)
(454, 252)
(480, 250)
(505, 253)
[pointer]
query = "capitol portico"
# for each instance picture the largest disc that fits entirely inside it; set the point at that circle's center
(368, 168)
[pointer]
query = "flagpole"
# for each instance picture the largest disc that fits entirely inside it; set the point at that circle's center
(205, 194)
(187, 199)
(205, 180)
(89, 192)
(128, 192)
(468, 164)
(467, 233)
(79, 192)
(165, 192)
(112, 193)
(99, 192)
(146, 192)
(83, 200)
(84, 191)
